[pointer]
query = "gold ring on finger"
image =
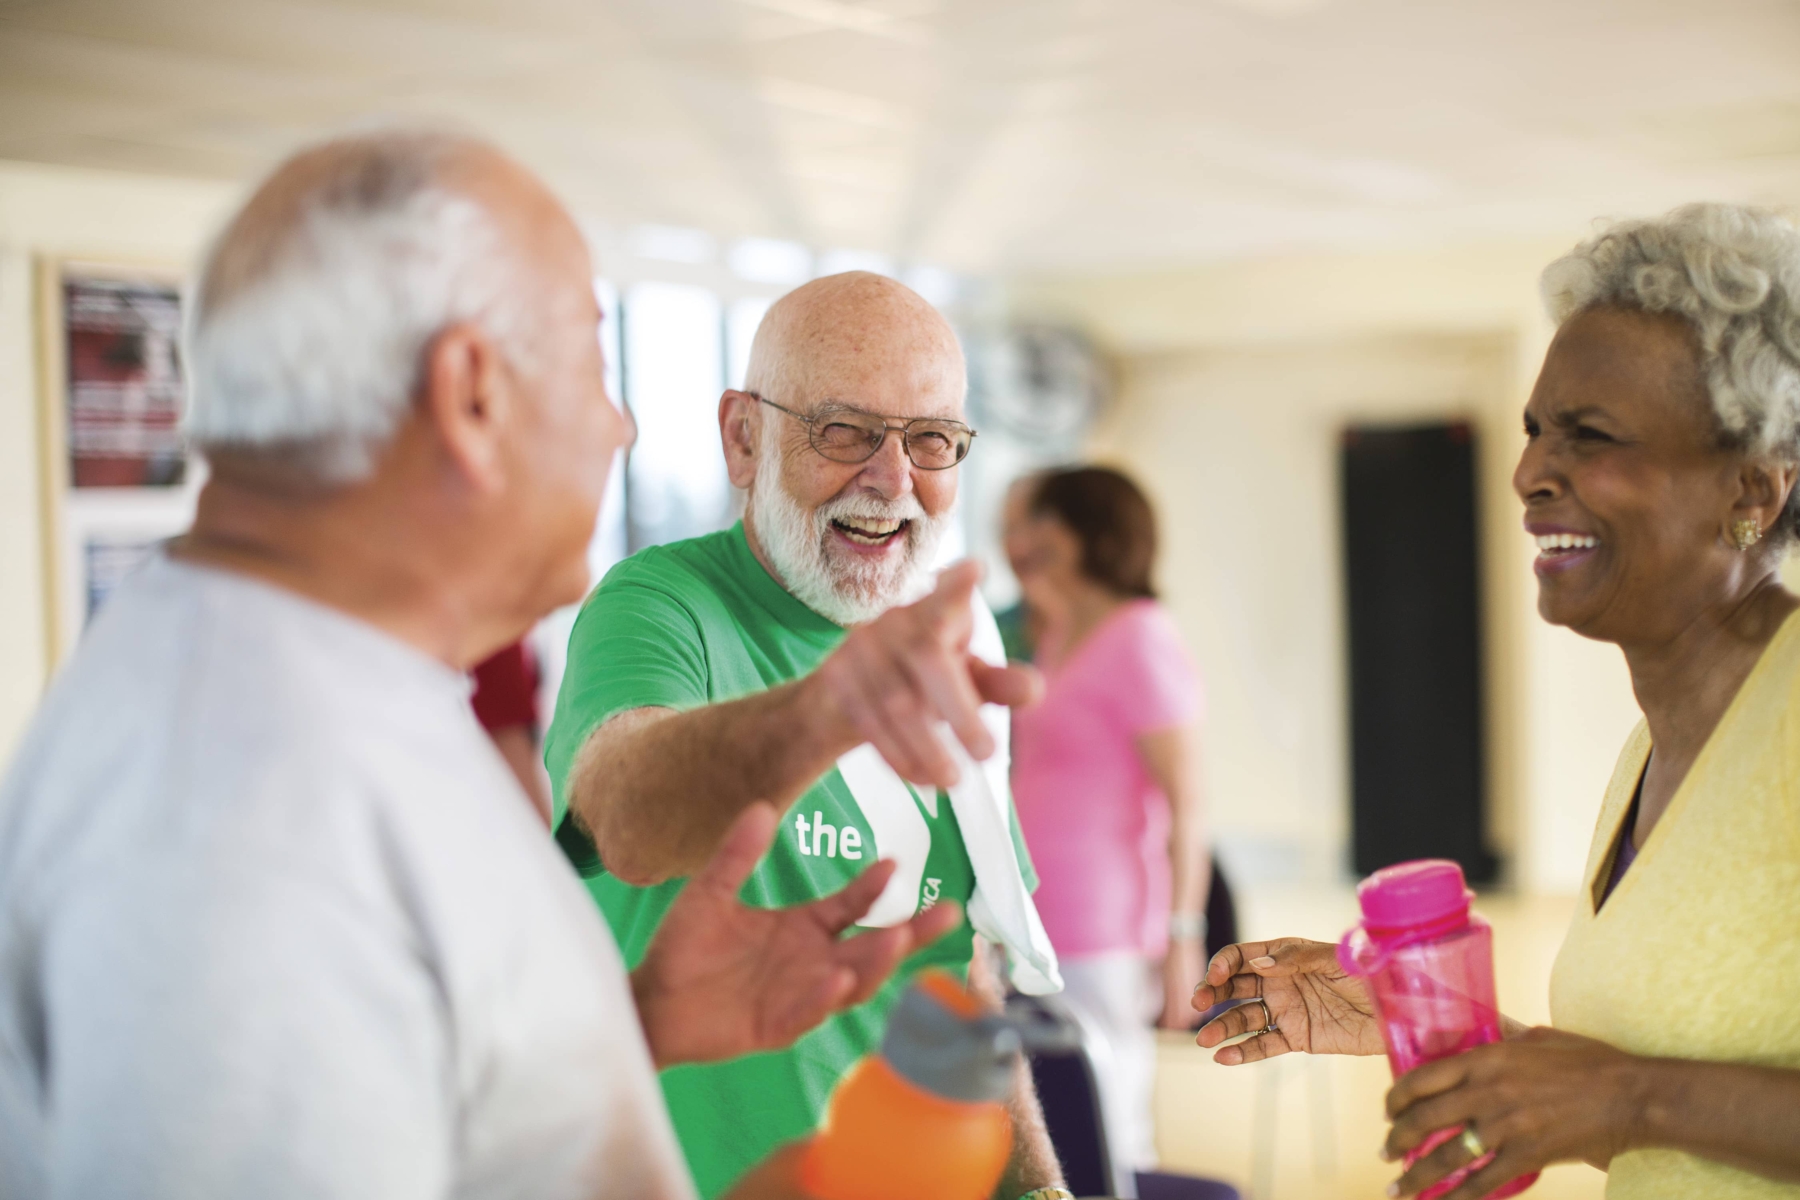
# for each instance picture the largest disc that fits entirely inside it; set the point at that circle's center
(1269, 1025)
(1471, 1141)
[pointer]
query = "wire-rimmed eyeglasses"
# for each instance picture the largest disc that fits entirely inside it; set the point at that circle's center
(849, 435)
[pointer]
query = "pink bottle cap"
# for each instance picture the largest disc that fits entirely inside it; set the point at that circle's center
(1412, 894)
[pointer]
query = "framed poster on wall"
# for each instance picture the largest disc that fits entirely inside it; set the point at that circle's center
(117, 479)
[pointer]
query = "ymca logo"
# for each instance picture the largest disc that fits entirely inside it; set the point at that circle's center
(819, 838)
(827, 841)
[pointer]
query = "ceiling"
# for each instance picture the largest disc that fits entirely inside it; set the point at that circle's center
(986, 136)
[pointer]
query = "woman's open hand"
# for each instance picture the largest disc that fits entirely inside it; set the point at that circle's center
(1540, 1098)
(1307, 1002)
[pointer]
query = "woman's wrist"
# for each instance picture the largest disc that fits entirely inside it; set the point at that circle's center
(1187, 927)
(1644, 1093)
(1735, 1113)
(1673, 1103)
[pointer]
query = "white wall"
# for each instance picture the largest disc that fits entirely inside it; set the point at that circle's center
(63, 213)
(1234, 383)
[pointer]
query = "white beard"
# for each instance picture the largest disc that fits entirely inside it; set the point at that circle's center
(840, 587)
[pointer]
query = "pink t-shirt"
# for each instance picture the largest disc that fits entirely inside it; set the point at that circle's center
(1096, 823)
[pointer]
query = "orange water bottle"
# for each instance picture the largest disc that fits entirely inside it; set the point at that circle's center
(925, 1117)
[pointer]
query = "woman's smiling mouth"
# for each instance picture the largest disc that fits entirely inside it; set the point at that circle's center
(1560, 549)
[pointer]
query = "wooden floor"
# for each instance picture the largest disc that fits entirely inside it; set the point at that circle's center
(1301, 1128)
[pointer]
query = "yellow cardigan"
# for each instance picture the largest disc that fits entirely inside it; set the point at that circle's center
(1697, 953)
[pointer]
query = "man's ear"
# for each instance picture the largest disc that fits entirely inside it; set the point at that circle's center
(466, 399)
(740, 431)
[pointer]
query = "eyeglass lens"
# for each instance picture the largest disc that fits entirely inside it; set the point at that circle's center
(853, 437)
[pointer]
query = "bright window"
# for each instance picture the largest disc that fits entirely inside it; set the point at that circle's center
(674, 369)
(609, 544)
(740, 330)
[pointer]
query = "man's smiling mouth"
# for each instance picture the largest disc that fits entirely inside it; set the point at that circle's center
(870, 531)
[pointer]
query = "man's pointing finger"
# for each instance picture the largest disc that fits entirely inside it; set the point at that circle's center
(1013, 685)
(950, 599)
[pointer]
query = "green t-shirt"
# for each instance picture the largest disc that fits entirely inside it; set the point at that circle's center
(694, 623)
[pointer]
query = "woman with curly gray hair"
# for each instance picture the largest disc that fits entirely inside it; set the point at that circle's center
(1663, 444)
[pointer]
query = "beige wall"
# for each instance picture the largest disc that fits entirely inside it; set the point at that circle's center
(1234, 384)
(62, 213)
(1235, 381)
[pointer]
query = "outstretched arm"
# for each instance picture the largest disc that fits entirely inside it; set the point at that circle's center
(1172, 757)
(657, 789)
(1308, 1003)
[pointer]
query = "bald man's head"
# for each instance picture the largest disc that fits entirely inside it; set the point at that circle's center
(315, 303)
(849, 534)
(860, 339)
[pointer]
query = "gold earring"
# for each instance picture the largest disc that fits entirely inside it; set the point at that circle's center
(1746, 533)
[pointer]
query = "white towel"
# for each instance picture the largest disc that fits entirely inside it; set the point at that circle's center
(1001, 909)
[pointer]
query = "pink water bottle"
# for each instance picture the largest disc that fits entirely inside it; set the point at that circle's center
(1430, 966)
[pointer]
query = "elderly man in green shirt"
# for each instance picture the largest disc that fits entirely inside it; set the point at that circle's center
(781, 661)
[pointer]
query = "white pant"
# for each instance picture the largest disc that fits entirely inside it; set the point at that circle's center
(1117, 995)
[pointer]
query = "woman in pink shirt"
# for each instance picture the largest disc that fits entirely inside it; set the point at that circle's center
(1106, 775)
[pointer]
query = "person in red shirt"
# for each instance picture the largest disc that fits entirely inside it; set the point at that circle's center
(505, 702)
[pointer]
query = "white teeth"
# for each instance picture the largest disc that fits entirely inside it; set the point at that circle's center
(1551, 542)
(868, 529)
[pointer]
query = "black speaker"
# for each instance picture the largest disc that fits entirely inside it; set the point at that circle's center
(1413, 594)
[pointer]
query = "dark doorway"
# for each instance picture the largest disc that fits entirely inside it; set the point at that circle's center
(1411, 552)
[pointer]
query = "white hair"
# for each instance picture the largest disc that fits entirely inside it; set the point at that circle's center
(318, 346)
(798, 543)
(1734, 274)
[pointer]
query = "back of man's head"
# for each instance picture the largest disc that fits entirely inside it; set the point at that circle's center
(315, 306)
